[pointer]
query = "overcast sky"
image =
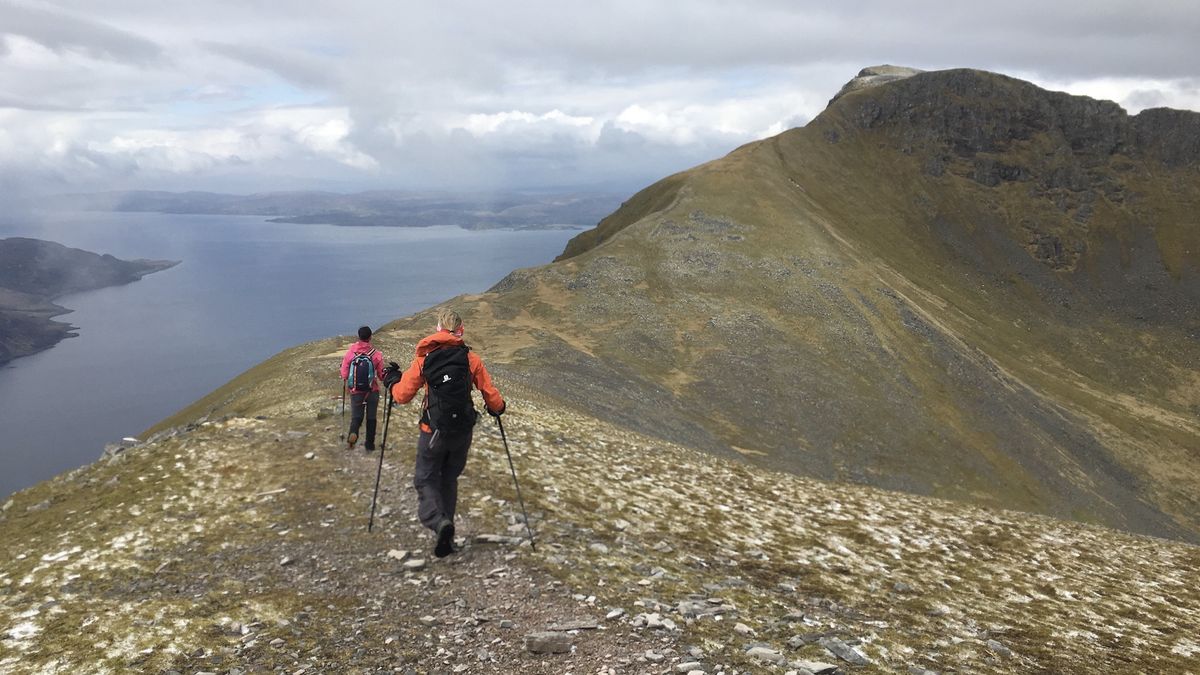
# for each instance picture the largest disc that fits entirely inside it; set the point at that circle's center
(251, 95)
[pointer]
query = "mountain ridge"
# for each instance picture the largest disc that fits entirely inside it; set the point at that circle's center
(1025, 309)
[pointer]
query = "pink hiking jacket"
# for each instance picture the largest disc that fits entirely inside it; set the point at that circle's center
(361, 347)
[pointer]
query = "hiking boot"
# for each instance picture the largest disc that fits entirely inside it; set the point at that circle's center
(351, 440)
(445, 538)
(369, 447)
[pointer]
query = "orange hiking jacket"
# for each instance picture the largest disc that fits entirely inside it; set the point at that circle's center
(413, 381)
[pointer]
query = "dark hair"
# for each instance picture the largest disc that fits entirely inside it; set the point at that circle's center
(364, 333)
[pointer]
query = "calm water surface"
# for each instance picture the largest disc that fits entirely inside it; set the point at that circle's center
(246, 289)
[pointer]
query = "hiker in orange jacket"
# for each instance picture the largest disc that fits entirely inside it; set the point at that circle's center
(447, 370)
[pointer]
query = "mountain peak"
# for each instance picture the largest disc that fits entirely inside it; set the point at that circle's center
(976, 111)
(872, 76)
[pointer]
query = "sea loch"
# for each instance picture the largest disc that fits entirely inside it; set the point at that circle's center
(245, 290)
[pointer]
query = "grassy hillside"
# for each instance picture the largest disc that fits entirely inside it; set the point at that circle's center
(955, 284)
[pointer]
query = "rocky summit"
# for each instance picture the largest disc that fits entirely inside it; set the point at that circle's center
(835, 403)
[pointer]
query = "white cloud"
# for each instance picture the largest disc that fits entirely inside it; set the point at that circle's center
(21, 52)
(323, 132)
(1134, 94)
(481, 124)
(264, 136)
(738, 120)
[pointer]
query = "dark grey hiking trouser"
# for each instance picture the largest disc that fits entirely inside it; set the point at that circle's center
(440, 461)
(371, 409)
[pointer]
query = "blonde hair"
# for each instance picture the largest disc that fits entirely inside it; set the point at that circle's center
(449, 319)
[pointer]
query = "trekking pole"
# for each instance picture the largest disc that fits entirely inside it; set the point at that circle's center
(343, 436)
(528, 527)
(387, 417)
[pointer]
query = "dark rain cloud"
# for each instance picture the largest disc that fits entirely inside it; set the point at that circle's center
(60, 31)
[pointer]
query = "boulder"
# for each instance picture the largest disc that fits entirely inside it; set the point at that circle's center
(548, 642)
(766, 655)
(844, 651)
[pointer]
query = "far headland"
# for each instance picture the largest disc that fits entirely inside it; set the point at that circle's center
(34, 272)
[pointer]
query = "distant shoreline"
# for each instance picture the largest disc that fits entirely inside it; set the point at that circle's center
(343, 220)
(36, 273)
(385, 208)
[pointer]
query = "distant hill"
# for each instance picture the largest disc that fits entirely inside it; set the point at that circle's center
(34, 272)
(381, 208)
(949, 283)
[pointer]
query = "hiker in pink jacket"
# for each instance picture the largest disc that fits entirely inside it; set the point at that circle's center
(362, 382)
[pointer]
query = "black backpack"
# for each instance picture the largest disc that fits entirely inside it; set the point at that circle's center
(448, 406)
(362, 373)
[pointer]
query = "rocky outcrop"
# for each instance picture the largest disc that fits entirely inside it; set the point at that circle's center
(873, 76)
(973, 111)
(1173, 136)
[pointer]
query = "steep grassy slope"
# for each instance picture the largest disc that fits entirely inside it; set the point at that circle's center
(954, 284)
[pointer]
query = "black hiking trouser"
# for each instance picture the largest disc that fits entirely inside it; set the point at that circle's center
(364, 403)
(440, 461)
